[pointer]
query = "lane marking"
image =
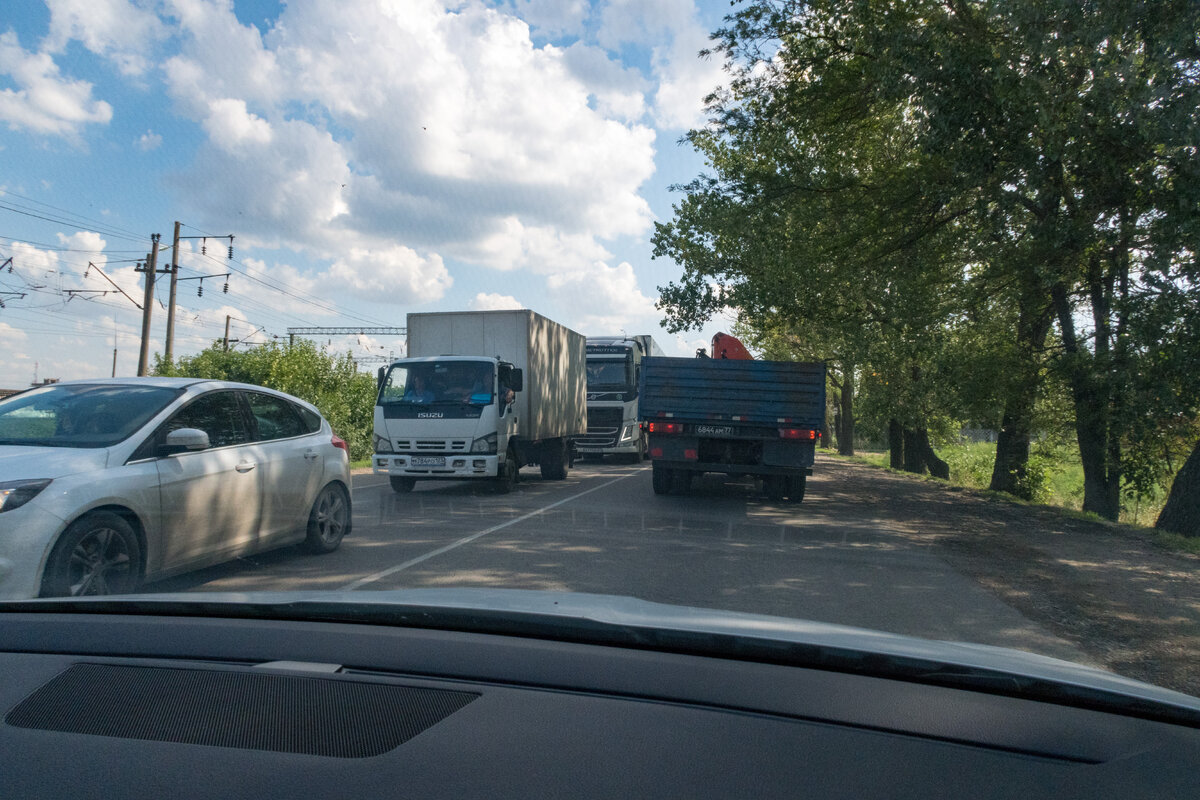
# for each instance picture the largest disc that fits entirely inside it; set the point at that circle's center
(358, 584)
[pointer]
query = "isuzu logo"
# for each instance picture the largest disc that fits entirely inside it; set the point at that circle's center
(430, 415)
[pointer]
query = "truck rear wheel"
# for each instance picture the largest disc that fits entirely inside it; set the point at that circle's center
(796, 486)
(775, 486)
(662, 479)
(683, 481)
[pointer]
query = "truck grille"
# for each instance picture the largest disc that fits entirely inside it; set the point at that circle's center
(432, 445)
(604, 426)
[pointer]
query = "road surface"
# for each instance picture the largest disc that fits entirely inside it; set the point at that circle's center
(844, 556)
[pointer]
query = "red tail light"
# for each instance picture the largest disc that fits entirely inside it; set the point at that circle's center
(340, 443)
(797, 433)
(666, 427)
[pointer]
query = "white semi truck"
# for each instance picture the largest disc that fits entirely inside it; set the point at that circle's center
(481, 394)
(614, 364)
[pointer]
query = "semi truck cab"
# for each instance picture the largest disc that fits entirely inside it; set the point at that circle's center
(614, 366)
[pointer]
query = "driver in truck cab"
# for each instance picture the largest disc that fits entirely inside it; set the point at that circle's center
(418, 391)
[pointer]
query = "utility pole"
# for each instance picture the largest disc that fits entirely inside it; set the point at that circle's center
(226, 333)
(114, 362)
(148, 305)
(170, 351)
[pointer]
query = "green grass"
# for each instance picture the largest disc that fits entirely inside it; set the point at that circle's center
(360, 464)
(1058, 477)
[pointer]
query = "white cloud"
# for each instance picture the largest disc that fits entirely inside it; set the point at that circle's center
(148, 141)
(685, 79)
(673, 30)
(603, 300)
(491, 301)
(553, 18)
(118, 29)
(393, 275)
(357, 124)
(44, 101)
(11, 337)
(230, 126)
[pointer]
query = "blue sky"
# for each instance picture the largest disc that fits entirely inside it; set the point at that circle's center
(371, 158)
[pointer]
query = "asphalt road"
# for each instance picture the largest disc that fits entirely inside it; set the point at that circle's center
(838, 557)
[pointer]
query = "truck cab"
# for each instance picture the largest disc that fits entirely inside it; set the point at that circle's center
(614, 365)
(444, 417)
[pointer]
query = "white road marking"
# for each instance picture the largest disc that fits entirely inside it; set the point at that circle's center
(361, 582)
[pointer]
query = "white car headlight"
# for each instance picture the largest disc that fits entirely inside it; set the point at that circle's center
(486, 444)
(14, 494)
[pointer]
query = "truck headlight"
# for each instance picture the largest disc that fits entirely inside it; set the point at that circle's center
(382, 445)
(627, 432)
(486, 444)
(14, 494)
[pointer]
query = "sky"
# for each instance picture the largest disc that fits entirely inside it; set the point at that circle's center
(370, 159)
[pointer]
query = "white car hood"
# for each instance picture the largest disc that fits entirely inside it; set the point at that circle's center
(17, 462)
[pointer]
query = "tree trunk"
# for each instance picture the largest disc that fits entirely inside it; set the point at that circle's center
(1010, 471)
(1181, 514)
(937, 467)
(1101, 479)
(896, 444)
(914, 451)
(1012, 448)
(846, 413)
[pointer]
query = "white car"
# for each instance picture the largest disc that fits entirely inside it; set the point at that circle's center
(105, 484)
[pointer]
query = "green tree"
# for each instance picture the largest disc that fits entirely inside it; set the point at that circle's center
(344, 396)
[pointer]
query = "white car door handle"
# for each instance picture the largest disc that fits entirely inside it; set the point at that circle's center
(245, 466)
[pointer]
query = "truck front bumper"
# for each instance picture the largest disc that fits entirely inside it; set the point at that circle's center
(450, 466)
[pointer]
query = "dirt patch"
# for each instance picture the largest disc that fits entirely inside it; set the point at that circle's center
(1130, 604)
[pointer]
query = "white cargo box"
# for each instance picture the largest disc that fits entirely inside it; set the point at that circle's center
(552, 358)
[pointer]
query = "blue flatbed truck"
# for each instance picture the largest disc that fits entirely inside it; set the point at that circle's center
(739, 417)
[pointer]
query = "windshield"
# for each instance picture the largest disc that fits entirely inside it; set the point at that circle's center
(79, 416)
(610, 373)
(956, 240)
(469, 382)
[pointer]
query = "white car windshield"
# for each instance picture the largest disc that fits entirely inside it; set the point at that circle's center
(79, 415)
(881, 314)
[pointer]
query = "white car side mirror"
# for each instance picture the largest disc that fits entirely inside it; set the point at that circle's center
(184, 439)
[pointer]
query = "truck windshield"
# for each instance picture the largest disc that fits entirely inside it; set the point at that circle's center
(610, 373)
(431, 382)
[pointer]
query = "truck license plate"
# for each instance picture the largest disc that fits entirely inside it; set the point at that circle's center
(429, 461)
(714, 430)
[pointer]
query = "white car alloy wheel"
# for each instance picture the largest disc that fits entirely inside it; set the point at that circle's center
(329, 520)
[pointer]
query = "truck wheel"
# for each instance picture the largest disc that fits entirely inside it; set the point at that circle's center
(662, 479)
(775, 486)
(640, 455)
(796, 486)
(554, 461)
(402, 485)
(683, 481)
(506, 481)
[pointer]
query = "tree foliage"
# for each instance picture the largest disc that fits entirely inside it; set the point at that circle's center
(344, 396)
(944, 185)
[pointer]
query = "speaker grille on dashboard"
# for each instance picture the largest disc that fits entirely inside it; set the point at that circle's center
(226, 708)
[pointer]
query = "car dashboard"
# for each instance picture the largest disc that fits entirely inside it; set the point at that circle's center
(158, 705)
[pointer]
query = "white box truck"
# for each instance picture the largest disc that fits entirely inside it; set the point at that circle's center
(614, 364)
(479, 395)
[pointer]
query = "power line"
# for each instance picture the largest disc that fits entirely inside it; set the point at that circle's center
(70, 223)
(68, 212)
